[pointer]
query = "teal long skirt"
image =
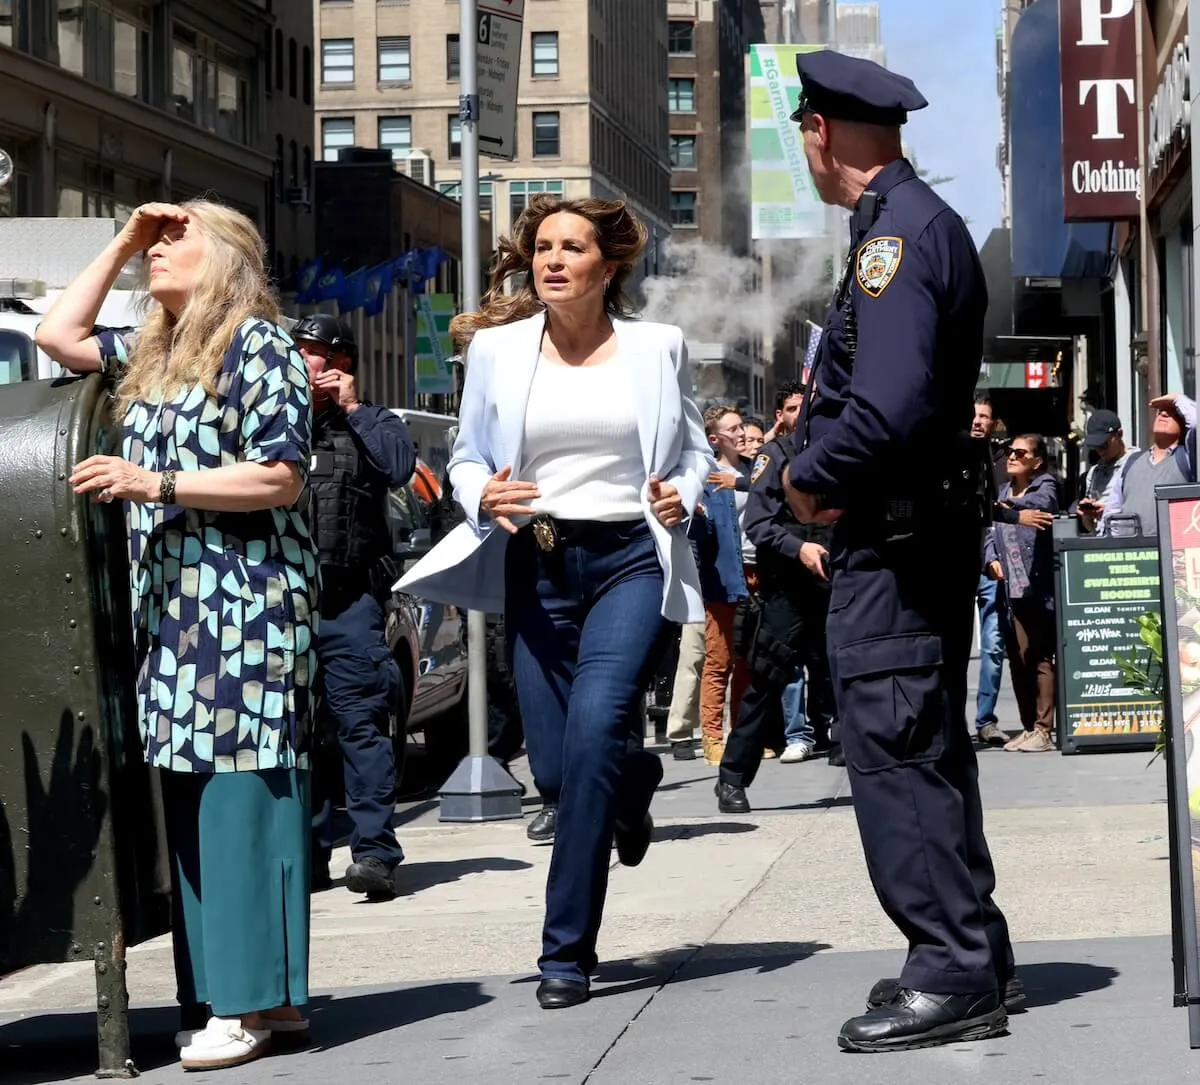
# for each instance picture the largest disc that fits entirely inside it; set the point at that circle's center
(240, 855)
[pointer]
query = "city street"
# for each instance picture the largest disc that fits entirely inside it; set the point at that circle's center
(735, 950)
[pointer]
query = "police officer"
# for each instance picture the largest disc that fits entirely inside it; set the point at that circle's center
(359, 452)
(888, 458)
(790, 632)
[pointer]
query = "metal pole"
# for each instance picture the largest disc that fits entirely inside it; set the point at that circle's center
(479, 789)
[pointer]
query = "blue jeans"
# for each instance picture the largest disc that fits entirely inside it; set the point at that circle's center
(586, 631)
(991, 651)
(795, 719)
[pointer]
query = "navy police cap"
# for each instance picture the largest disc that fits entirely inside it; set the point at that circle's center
(848, 88)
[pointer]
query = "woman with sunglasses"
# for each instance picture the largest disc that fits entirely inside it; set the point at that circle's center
(1022, 558)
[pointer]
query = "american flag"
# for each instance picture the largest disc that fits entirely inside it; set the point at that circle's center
(810, 354)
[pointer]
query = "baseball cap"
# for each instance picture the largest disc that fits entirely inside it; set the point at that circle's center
(1101, 426)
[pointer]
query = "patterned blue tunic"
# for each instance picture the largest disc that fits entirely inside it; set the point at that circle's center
(224, 602)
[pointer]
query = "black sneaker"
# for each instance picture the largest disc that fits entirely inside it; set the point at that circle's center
(373, 877)
(684, 751)
(541, 828)
(836, 758)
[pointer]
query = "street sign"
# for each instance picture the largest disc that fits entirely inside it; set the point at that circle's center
(499, 45)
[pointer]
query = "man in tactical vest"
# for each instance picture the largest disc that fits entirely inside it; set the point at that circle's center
(359, 453)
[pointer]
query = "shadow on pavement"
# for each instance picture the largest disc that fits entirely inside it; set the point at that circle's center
(1051, 982)
(819, 804)
(690, 963)
(339, 1021)
(701, 828)
(417, 876)
(55, 1047)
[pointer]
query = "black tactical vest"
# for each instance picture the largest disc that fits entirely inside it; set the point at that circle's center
(349, 502)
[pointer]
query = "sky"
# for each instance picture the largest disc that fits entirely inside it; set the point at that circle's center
(948, 48)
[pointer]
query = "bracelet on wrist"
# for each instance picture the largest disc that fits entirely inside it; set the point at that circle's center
(166, 488)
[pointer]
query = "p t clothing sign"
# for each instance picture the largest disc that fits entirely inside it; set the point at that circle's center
(1102, 176)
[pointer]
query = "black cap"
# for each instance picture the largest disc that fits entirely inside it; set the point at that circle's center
(1101, 425)
(328, 329)
(848, 88)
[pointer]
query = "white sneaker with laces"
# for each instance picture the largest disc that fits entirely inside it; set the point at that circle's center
(797, 752)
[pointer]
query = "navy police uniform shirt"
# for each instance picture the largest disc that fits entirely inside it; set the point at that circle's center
(770, 525)
(882, 422)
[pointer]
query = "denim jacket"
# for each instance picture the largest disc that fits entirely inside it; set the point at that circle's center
(717, 544)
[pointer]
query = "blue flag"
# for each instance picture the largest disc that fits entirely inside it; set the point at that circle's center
(328, 285)
(430, 261)
(306, 281)
(354, 291)
(405, 268)
(379, 286)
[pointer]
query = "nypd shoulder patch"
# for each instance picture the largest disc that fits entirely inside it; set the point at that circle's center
(761, 462)
(877, 263)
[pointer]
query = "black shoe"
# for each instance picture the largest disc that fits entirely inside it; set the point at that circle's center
(915, 1019)
(731, 799)
(836, 758)
(541, 828)
(321, 879)
(886, 991)
(561, 994)
(684, 751)
(374, 877)
(632, 844)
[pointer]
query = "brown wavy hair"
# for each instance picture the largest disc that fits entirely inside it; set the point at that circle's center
(171, 351)
(619, 234)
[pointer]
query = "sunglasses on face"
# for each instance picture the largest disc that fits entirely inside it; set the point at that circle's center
(1018, 453)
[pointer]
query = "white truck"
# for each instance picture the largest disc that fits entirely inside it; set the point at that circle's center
(38, 259)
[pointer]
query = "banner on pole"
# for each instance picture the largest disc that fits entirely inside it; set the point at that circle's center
(433, 346)
(783, 199)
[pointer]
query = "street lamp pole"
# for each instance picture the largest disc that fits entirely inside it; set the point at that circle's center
(480, 789)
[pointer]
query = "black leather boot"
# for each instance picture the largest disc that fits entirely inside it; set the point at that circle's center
(915, 1019)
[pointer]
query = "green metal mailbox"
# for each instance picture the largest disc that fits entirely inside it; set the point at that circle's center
(82, 873)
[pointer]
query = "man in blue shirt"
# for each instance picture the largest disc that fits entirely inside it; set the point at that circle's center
(887, 456)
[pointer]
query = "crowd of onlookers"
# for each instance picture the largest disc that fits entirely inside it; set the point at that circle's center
(1016, 594)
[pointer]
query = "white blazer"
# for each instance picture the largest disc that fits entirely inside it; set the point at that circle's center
(466, 569)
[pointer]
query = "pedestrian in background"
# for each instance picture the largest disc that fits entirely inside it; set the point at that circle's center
(216, 426)
(360, 453)
(1022, 559)
(579, 456)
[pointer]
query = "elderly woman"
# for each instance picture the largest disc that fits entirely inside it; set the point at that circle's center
(216, 417)
(1021, 557)
(579, 455)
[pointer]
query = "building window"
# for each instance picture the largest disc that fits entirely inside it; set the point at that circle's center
(294, 64)
(683, 152)
(279, 60)
(519, 193)
(452, 58)
(395, 135)
(268, 61)
(454, 135)
(545, 53)
(308, 169)
(545, 135)
(129, 59)
(337, 60)
(681, 38)
(683, 209)
(336, 133)
(307, 87)
(71, 18)
(395, 60)
(681, 95)
(183, 84)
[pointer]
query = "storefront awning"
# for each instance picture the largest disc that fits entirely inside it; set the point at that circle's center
(1043, 246)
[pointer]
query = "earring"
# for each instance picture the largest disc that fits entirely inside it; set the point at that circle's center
(607, 280)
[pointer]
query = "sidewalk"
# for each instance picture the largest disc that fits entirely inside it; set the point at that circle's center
(733, 953)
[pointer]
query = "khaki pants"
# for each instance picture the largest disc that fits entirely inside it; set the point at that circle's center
(721, 664)
(684, 717)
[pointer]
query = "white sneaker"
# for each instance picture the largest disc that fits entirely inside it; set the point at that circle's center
(223, 1043)
(796, 752)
